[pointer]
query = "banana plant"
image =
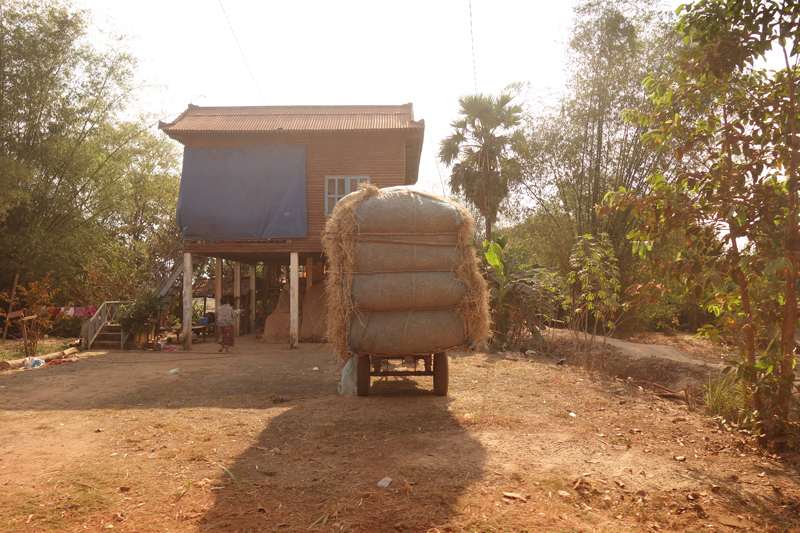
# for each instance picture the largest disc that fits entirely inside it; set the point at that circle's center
(516, 304)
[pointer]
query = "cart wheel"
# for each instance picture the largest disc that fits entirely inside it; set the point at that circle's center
(441, 375)
(362, 375)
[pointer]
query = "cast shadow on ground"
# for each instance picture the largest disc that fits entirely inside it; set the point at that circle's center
(310, 465)
(319, 455)
(138, 380)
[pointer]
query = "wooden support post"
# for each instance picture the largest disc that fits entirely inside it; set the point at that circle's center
(25, 338)
(218, 285)
(309, 273)
(253, 299)
(10, 305)
(237, 296)
(265, 270)
(294, 293)
(319, 271)
(217, 292)
(187, 301)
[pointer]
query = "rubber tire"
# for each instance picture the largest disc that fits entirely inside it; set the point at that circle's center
(362, 375)
(441, 373)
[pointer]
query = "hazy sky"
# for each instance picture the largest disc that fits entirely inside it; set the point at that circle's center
(338, 53)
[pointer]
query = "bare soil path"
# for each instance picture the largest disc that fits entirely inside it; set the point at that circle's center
(261, 441)
(682, 348)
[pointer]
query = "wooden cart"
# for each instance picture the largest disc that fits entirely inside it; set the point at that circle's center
(378, 365)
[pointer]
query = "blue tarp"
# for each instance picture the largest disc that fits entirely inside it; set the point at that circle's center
(256, 192)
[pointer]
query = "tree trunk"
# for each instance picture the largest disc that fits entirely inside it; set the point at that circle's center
(792, 230)
(787, 342)
(750, 334)
(750, 340)
(487, 212)
(597, 168)
(10, 305)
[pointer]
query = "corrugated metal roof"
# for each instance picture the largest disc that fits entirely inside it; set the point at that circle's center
(294, 118)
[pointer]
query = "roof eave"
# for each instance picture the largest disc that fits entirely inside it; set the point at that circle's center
(166, 129)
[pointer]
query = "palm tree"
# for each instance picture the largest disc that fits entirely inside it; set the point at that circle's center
(478, 151)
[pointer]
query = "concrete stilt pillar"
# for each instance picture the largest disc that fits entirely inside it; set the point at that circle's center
(217, 292)
(252, 299)
(294, 301)
(187, 301)
(218, 283)
(237, 296)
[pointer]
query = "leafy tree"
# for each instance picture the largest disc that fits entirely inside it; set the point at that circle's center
(595, 289)
(36, 301)
(480, 151)
(580, 149)
(657, 301)
(732, 128)
(87, 192)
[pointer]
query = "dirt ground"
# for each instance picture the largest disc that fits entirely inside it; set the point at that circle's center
(261, 441)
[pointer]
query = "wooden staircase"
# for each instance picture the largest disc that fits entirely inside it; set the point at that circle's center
(168, 286)
(109, 338)
(104, 333)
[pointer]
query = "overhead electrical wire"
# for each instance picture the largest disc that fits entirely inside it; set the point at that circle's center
(475, 78)
(436, 160)
(472, 40)
(244, 58)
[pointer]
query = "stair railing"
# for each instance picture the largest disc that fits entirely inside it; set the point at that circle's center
(165, 277)
(105, 314)
(163, 272)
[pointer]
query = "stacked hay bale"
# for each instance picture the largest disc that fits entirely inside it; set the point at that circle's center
(403, 277)
(312, 312)
(276, 326)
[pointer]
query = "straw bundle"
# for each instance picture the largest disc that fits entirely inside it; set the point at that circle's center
(403, 276)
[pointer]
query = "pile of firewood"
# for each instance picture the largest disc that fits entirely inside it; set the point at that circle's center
(19, 363)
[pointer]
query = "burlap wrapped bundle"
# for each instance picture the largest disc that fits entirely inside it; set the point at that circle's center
(403, 277)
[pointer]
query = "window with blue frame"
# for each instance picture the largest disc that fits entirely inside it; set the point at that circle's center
(337, 187)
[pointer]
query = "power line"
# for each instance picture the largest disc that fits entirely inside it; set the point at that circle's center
(246, 64)
(472, 40)
(436, 160)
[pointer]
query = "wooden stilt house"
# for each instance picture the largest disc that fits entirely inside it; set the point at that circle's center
(259, 182)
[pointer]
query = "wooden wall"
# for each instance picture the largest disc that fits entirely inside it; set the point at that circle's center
(379, 155)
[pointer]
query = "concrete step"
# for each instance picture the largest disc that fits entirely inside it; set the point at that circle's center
(106, 345)
(108, 337)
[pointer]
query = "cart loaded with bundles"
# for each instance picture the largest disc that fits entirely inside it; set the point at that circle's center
(403, 284)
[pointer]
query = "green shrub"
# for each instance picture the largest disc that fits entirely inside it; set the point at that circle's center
(135, 318)
(523, 297)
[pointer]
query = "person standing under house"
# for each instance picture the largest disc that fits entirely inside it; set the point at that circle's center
(225, 320)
